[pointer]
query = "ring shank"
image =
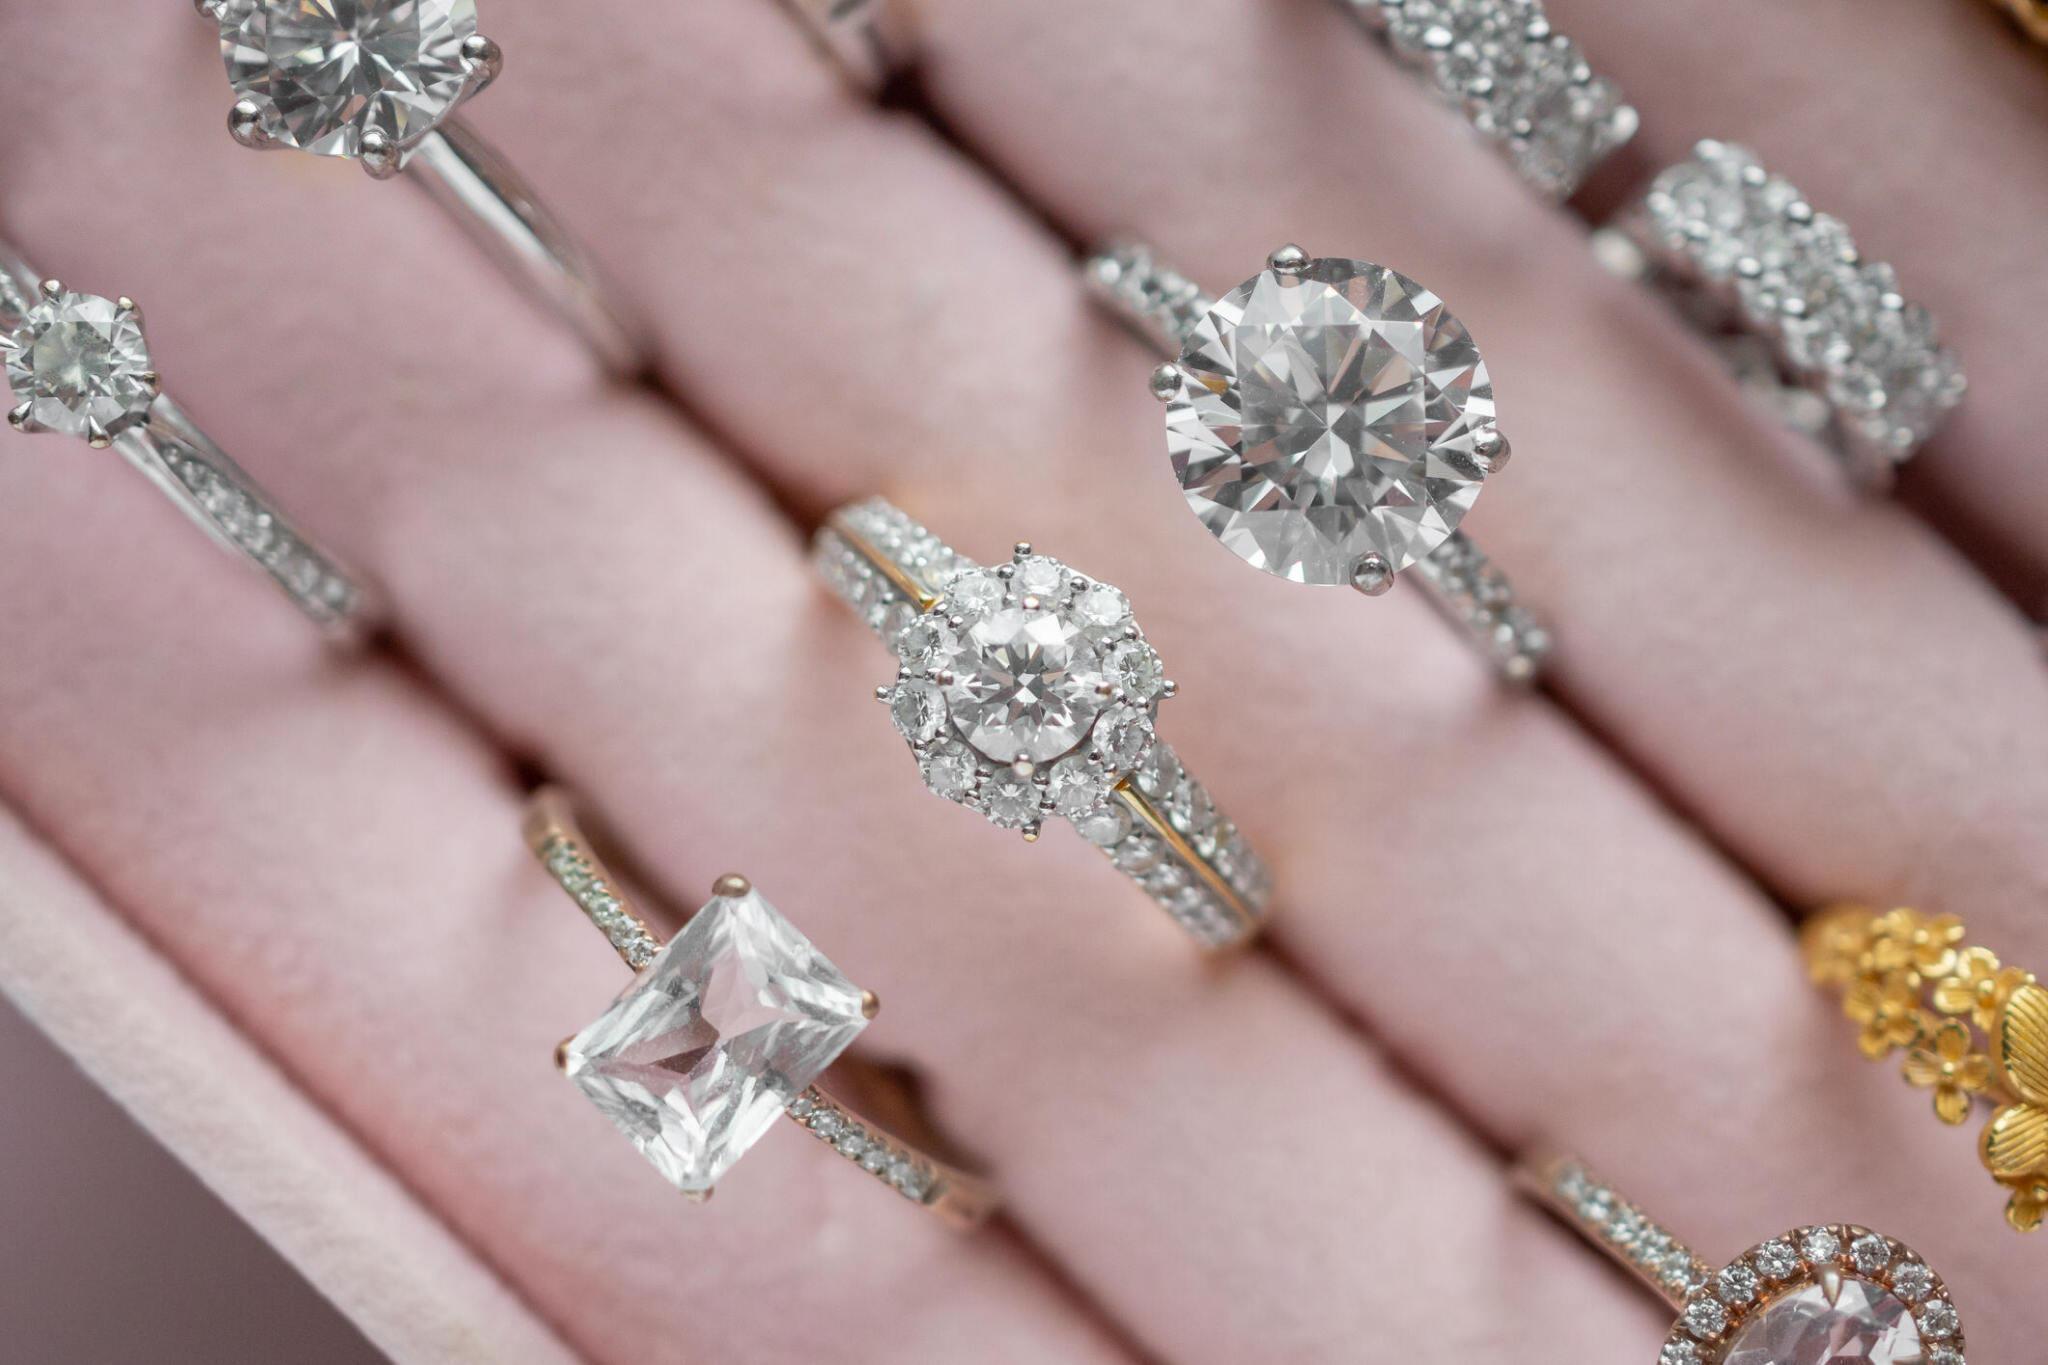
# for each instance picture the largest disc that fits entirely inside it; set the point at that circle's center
(494, 206)
(557, 839)
(1162, 306)
(1597, 1212)
(219, 497)
(1161, 828)
(868, 40)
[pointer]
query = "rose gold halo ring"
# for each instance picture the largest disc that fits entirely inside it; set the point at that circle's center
(724, 1028)
(1831, 1292)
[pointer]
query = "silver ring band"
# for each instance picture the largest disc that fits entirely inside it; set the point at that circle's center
(1524, 87)
(1159, 827)
(500, 213)
(868, 40)
(220, 498)
(1161, 306)
(1822, 335)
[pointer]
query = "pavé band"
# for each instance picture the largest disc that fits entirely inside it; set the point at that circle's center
(1027, 692)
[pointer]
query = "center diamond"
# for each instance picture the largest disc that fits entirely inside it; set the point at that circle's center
(728, 1024)
(1327, 414)
(1846, 1322)
(1027, 683)
(78, 364)
(324, 72)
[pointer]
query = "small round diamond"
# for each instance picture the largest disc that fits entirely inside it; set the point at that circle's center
(1139, 853)
(919, 643)
(1944, 1355)
(875, 1159)
(1870, 1253)
(950, 772)
(827, 1124)
(1938, 1320)
(1123, 737)
(78, 362)
(1736, 1284)
(1820, 1246)
(1041, 577)
(1010, 800)
(1705, 1317)
(1106, 826)
(1679, 1353)
(917, 710)
(1136, 669)
(1776, 1260)
(324, 75)
(973, 593)
(1077, 786)
(1103, 607)
(1160, 773)
(1912, 1281)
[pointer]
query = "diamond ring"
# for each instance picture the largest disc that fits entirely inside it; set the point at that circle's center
(1972, 1030)
(379, 81)
(1523, 86)
(1832, 1294)
(1027, 691)
(1330, 422)
(78, 364)
(866, 39)
(723, 1028)
(1823, 336)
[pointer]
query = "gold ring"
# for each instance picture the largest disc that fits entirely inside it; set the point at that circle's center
(723, 1028)
(1802, 1295)
(1972, 1030)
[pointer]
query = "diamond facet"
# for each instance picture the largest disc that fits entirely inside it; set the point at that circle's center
(322, 75)
(1329, 413)
(723, 1029)
(79, 362)
(1859, 1323)
(1026, 683)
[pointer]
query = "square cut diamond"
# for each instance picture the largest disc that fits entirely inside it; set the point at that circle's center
(727, 1025)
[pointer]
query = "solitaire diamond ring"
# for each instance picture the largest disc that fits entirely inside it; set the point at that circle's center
(78, 364)
(1971, 1030)
(723, 1029)
(1027, 691)
(1822, 335)
(1330, 422)
(379, 81)
(1522, 85)
(1832, 1294)
(865, 39)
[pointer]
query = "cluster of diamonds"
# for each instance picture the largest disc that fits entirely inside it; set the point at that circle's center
(237, 512)
(1479, 596)
(1524, 86)
(1125, 830)
(1837, 321)
(1156, 301)
(579, 875)
(1717, 1304)
(874, 1151)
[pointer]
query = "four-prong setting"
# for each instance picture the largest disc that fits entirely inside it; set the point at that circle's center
(1330, 421)
(368, 80)
(78, 364)
(1026, 691)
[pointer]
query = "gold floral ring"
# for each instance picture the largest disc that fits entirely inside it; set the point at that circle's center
(1972, 1029)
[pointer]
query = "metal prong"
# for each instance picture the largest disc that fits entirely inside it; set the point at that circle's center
(1372, 575)
(97, 435)
(870, 1004)
(885, 693)
(486, 59)
(208, 9)
(1024, 767)
(22, 417)
(1168, 688)
(51, 288)
(1287, 260)
(562, 1053)
(153, 380)
(1031, 832)
(731, 884)
(1023, 549)
(379, 154)
(700, 1196)
(1492, 450)
(245, 125)
(1166, 382)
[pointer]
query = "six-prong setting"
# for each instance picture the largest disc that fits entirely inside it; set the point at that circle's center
(77, 364)
(1026, 691)
(369, 80)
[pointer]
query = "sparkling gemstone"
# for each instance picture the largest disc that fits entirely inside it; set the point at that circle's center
(1077, 786)
(1736, 1284)
(1329, 415)
(1124, 736)
(323, 74)
(1026, 683)
(1855, 1323)
(1137, 670)
(712, 1041)
(1103, 607)
(917, 711)
(1704, 1317)
(1912, 1281)
(79, 362)
(1820, 1245)
(949, 771)
(1010, 800)
(1870, 1253)
(1777, 1260)
(1105, 827)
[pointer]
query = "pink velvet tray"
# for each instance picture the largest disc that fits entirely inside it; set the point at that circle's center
(276, 900)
